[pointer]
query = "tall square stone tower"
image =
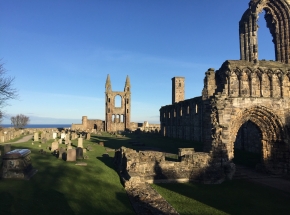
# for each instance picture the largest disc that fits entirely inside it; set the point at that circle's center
(177, 89)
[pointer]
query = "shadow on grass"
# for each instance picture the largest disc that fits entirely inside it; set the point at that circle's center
(61, 187)
(153, 142)
(234, 197)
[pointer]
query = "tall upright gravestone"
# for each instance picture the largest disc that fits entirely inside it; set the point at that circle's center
(80, 142)
(35, 136)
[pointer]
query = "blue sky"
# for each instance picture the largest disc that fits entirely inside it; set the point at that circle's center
(60, 52)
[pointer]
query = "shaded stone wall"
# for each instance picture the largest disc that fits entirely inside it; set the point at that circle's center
(182, 120)
(151, 166)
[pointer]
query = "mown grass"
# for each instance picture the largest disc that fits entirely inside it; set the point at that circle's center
(232, 197)
(153, 141)
(61, 187)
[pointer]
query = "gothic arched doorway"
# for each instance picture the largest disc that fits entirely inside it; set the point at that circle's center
(248, 145)
(266, 135)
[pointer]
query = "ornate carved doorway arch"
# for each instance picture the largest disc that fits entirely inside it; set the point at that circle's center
(271, 128)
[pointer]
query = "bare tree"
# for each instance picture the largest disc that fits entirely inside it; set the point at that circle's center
(6, 90)
(19, 121)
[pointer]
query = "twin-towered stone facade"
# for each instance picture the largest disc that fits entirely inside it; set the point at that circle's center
(118, 118)
(244, 95)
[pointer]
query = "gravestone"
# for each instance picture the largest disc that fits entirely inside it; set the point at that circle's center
(69, 146)
(7, 148)
(17, 164)
(79, 153)
(54, 146)
(59, 141)
(54, 135)
(61, 152)
(36, 137)
(80, 142)
(88, 136)
(71, 155)
(62, 135)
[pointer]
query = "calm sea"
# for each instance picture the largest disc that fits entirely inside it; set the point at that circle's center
(41, 125)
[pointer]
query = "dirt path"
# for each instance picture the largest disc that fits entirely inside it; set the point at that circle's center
(268, 180)
(22, 140)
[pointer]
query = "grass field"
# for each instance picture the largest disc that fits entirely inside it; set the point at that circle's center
(61, 187)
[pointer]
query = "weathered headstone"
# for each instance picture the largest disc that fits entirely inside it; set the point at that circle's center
(7, 148)
(60, 141)
(69, 146)
(80, 142)
(71, 155)
(54, 146)
(79, 153)
(62, 135)
(35, 136)
(54, 135)
(88, 136)
(61, 151)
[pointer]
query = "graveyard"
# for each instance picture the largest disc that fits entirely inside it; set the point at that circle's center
(91, 185)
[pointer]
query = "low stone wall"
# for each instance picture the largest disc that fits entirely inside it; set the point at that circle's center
(151, 167)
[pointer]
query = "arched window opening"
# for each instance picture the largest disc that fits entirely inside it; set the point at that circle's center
(108, 110)
(179, 85)
(122, 118)
(113, 118)
(180, 111)
(169, 115)
(118, 101)
(266, 47)
(174, 113)
(196, 108)
(109, 99)
(127, 101)
(188, 109)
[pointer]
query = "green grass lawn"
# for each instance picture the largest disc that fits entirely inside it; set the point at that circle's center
(61, 187)
(232, 197)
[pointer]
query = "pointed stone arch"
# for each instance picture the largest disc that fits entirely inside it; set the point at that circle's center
(277, 17)
(270, 125)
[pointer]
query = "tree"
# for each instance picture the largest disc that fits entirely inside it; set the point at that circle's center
(19, 121)
(6, 90)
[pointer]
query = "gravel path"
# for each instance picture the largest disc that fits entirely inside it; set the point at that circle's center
(22, 140)
(268, 180)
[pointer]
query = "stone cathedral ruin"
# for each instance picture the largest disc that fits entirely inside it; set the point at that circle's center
(244, 104)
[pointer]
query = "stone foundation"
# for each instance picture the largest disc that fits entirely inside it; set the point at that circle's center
(150, 166)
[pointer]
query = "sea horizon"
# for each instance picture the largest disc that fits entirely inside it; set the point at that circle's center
(40, 126)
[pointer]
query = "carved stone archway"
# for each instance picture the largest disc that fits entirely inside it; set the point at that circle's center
(272, 132)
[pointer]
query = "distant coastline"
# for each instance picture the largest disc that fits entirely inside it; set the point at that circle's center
(40, 126)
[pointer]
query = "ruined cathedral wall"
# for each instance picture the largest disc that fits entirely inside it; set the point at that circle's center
(152, 167)
(182, 120)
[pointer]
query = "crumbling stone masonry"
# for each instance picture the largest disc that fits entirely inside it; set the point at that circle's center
(245, 93)
(150, 166)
